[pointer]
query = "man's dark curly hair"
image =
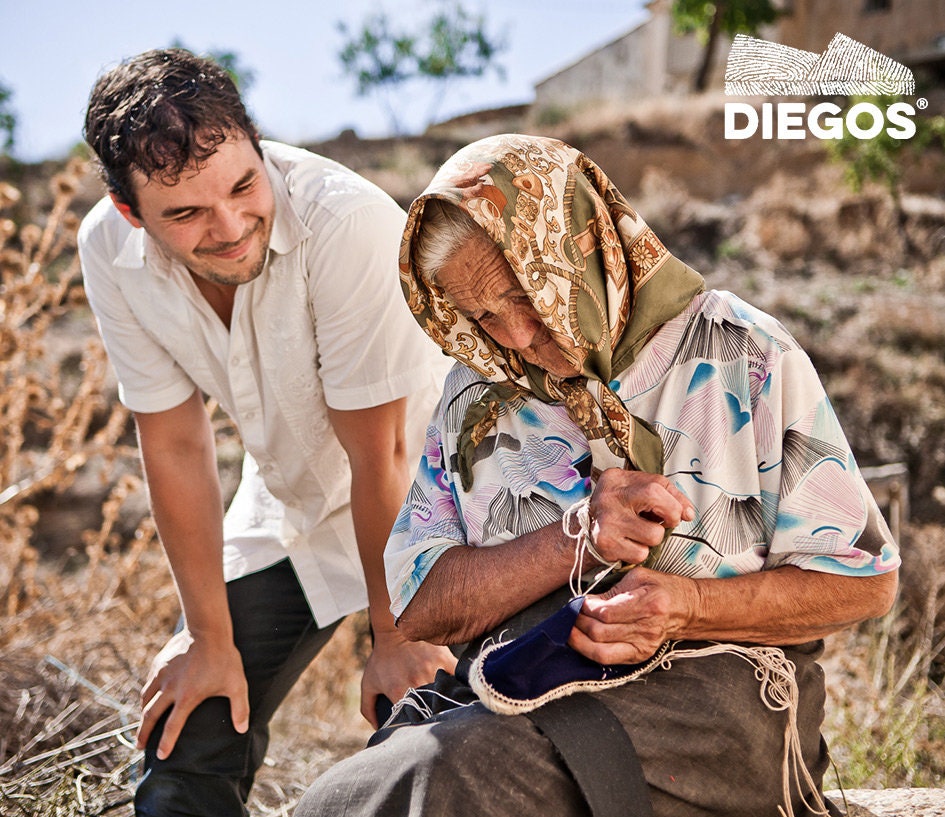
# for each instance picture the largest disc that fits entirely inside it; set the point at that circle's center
(159, 113)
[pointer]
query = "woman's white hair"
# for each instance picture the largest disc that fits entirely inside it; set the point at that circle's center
(444, 229)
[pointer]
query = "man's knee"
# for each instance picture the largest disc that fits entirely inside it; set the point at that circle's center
(209, 771)
(176, 794)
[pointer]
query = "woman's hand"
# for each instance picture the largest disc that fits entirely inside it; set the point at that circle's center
(628, 623)
(631, 512)
(785, 605)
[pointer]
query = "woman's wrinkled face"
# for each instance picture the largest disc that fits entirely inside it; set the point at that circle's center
(482, 286)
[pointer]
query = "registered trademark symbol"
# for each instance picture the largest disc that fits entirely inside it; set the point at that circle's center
(922, 103)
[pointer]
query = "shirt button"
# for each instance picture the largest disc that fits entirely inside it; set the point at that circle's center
(250, 415)
(266, 469)
(235, 360)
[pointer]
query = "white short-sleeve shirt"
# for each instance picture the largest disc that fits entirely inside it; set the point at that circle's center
(324, 325)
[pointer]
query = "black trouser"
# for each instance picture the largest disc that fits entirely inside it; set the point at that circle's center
(212, 767)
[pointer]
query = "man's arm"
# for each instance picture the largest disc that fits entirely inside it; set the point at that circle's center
(178, 451)
(374, 440)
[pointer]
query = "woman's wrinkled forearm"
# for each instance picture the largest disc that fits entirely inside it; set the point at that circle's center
(470, 590)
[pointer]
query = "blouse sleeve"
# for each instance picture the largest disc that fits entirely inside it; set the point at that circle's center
(826, 519)
(428, 524)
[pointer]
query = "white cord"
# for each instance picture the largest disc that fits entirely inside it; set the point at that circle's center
(413, 699)
(580, 513)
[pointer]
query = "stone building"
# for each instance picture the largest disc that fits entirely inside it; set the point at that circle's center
(910, 31)
(651, 60)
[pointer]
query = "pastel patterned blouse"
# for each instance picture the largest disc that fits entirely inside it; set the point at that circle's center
(749, 436)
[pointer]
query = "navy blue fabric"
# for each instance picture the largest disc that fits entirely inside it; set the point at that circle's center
(540, 659)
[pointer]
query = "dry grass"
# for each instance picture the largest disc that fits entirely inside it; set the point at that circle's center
(79, 624)
(72, 667)
(886, 704)
(71, 680)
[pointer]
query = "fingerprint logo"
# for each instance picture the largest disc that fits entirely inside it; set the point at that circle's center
(760, 67)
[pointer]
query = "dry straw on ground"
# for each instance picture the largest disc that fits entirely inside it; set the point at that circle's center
(79, 624)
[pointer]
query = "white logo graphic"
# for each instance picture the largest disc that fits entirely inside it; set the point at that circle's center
(761, 67)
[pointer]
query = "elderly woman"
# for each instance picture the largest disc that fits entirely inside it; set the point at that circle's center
(678, 430)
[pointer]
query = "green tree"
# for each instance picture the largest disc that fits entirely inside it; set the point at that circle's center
(710, 18)
(7, 119)
(452, 44)
(380, 60)
(881, 159)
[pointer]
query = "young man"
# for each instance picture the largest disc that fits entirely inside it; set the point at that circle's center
(264, 276)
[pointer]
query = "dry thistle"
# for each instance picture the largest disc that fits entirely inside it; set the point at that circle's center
(30, 237)
(9, 195)
(64, 184)
(7, 230)
(50, 425)
(12, 262)
(77, 167)
(18, 569)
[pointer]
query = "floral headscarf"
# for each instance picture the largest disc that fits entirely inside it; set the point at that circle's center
(599, 278)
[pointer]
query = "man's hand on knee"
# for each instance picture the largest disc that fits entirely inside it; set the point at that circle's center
(396, 665)
(188, 670)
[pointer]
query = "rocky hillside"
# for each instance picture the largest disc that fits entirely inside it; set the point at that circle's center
(859, 279)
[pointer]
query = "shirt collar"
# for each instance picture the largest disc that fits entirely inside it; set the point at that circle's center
(288, 230)
(132, 252)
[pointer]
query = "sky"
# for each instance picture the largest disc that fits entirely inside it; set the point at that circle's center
(51, 53)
